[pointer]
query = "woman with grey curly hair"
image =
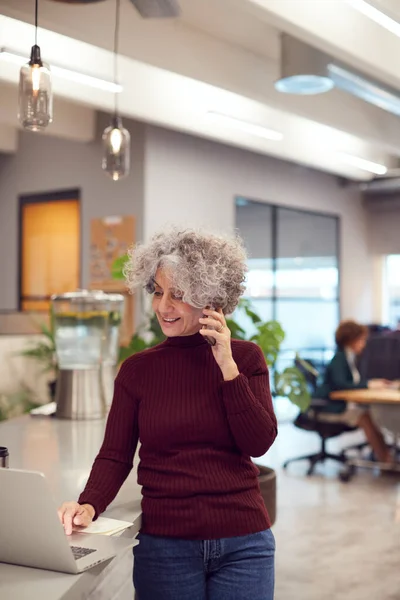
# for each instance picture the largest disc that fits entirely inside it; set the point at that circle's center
(208, 270)
(200, 403)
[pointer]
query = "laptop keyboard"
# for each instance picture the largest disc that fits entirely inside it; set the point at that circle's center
(79, 552)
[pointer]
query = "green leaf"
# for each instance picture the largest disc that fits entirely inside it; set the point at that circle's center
(124, 353)
(16, 404)
(46, 332)
(237, 332)
(155, 329)
(252, 316)
(118, 266)
(269, 337)
(114, 318)
(136, 344)
(292, 384)
(244, 303)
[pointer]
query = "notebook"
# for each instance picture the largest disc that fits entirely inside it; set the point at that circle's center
(106, 526)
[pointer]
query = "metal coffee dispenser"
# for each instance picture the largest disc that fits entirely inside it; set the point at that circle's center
(86, 326)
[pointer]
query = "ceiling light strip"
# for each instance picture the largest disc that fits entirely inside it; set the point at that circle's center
(376, 15)
(362, 163)
(244, 126)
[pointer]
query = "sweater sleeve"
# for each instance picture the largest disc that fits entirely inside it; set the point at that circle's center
(115, 458)
(248, 404)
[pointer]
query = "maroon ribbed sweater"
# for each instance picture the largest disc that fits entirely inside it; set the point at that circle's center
(197, 433)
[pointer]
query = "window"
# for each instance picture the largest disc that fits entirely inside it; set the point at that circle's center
(393, 288)
(49, 248)
(254, 221)
(293, 274)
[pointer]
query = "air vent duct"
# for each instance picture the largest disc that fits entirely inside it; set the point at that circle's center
(306, 70)
(381, 187)
(157, 9)
(148, 9)
(78, 1)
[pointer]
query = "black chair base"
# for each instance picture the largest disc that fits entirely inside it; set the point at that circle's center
(316, 458)
(310, 421)
(357, 447)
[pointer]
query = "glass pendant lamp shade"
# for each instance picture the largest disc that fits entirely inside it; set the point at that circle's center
(116, 150)
(35, 93)
(116, 139)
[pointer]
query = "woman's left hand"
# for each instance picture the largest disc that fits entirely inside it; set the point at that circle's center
(222, 350)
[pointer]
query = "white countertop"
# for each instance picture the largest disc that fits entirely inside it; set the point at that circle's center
(64, 451)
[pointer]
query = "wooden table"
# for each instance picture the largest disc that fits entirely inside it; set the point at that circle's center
(367, 396)
(377, 399)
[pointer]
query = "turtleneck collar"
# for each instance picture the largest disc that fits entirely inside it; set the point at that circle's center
(186, 341)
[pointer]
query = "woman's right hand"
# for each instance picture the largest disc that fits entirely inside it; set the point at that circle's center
(74, 516)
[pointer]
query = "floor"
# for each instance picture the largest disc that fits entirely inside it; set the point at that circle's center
(334, 540)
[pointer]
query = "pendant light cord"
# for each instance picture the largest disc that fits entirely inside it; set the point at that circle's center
(116, 44)
(36, 19)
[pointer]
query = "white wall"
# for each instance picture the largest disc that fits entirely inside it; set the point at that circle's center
(384, 238)
(193, 182)
(45, 164)
(384, 228)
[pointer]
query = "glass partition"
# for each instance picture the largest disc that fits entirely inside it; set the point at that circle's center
(293, 274)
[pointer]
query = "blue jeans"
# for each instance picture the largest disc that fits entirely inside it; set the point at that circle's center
(239, 568)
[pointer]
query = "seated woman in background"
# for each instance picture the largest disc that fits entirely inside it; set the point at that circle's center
(342, 374)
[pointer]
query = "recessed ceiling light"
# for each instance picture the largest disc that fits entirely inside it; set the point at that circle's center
(362, 163)
(302, 68)
(245, 126)
(304, 85)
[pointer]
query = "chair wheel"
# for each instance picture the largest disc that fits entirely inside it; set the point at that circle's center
(345, 476)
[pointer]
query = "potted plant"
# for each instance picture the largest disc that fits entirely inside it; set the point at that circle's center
(16, 404)
(44, 351)
(269, 335)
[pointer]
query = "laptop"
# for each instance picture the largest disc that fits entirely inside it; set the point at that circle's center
(31, 534)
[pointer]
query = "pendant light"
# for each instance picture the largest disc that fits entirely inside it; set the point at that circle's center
(304, 70)
(35, 94)
(116, 139)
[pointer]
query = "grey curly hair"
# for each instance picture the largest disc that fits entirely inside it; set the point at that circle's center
(207, 269)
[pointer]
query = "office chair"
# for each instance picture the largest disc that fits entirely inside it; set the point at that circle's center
(309, 421)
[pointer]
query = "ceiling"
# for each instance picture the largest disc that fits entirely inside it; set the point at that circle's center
(221, 56)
